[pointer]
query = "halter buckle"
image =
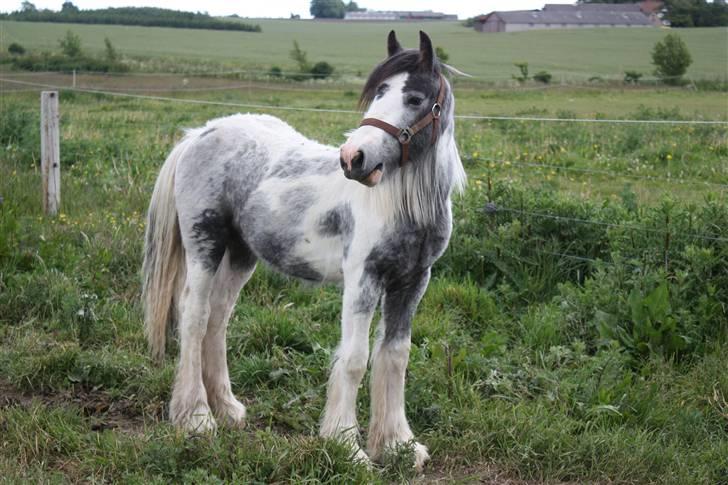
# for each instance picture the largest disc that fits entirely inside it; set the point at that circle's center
(405, 135)
(436, 111)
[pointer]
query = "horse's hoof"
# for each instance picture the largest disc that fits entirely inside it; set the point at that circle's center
(361, 458)
(421, 456)
(198, 421)
(231, 412)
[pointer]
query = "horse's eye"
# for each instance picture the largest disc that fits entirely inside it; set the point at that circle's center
(382, 89)
(414, 101)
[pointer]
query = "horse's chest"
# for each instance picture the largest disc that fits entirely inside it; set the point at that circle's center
(407, 250)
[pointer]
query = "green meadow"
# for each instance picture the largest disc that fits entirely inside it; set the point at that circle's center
(567, 54)
(575, 331)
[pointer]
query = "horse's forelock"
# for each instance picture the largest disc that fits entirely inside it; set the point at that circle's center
(404, 61)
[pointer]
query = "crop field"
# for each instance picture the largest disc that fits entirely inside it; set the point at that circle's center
(575, 331)
(567, 54)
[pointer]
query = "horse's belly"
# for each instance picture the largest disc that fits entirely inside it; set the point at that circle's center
(324, 255)
(303, 254)
(311, 260)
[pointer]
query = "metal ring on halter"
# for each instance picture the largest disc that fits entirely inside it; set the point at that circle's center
(405, 135)
(436, 110)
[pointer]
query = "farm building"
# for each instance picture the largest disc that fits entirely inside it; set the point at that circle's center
(560, 16)
(376, 15)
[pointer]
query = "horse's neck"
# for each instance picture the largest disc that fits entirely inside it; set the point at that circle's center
(416, 195)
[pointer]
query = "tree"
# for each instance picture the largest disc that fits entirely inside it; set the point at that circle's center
(328, 9)
(69, 7)
(71, 45)
(110, 52)
(28, 7)
(300, 56)
(353, 7)
(696, 13)
(671, 59)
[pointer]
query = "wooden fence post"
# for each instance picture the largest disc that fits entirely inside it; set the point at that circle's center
(50, 154)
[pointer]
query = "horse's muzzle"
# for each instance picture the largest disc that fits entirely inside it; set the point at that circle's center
(352, 163)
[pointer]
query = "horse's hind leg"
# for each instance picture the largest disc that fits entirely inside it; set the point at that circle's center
(204, 236)
(234, 271)
(188, 408)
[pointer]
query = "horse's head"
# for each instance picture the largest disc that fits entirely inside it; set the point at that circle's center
(408, 106)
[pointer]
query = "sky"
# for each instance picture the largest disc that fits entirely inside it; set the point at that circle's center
(283, 8)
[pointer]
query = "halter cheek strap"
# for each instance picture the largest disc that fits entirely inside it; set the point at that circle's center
(404, 135)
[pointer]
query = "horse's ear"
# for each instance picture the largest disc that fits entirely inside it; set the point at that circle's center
(393, 46)
(427, 55)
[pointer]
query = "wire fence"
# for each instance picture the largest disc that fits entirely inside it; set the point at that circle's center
(130, 93)
(564, 76)
(473, 117)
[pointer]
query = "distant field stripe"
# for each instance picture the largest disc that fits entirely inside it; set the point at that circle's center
(609, 173)
(630, 227)
(591, 120)
(183, 100)
(333, 110)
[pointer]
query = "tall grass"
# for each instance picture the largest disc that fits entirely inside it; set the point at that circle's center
(589, 347)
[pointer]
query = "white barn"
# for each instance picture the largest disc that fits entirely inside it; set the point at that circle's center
(558, 16)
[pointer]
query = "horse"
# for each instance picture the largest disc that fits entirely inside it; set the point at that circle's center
(372, 215)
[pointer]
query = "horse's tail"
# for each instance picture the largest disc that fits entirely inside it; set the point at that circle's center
(164, 266)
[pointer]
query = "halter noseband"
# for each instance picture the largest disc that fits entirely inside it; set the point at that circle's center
(404, 135)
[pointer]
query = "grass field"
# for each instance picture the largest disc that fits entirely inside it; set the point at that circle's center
(575, 331)
(567, 54)
(578, 348)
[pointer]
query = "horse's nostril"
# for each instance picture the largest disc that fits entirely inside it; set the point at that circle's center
(358, 160)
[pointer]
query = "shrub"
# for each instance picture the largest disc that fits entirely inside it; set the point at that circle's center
(110, 52)
(301, 57)
(468, 23)
(322, 70)
(16, 49)
(275, 71)
(632, 77)
(55, 62)
(71, 45)
(671, 59)
(441, 54)
(542, 77)
(523, 67)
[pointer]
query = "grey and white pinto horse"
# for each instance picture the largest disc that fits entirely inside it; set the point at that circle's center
(249, 187)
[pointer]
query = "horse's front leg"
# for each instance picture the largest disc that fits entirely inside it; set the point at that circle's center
(388, 425)
(361, 297)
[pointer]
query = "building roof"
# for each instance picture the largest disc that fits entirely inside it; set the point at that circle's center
(398, 15)
(577, 16)
(597, 7)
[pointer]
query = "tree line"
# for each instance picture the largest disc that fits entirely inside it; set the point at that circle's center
(688, 13)
(332, 9)
(143, 16)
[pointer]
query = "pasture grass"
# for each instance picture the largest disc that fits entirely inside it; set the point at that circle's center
(545, 349)
(571, 54)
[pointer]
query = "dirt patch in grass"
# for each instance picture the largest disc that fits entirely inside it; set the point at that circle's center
(482, 473)
(102, 410)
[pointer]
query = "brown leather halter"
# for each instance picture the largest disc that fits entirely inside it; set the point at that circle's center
(404, 135)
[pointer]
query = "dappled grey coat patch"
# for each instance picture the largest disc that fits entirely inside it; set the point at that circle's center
(338, 222)
(297, 163)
